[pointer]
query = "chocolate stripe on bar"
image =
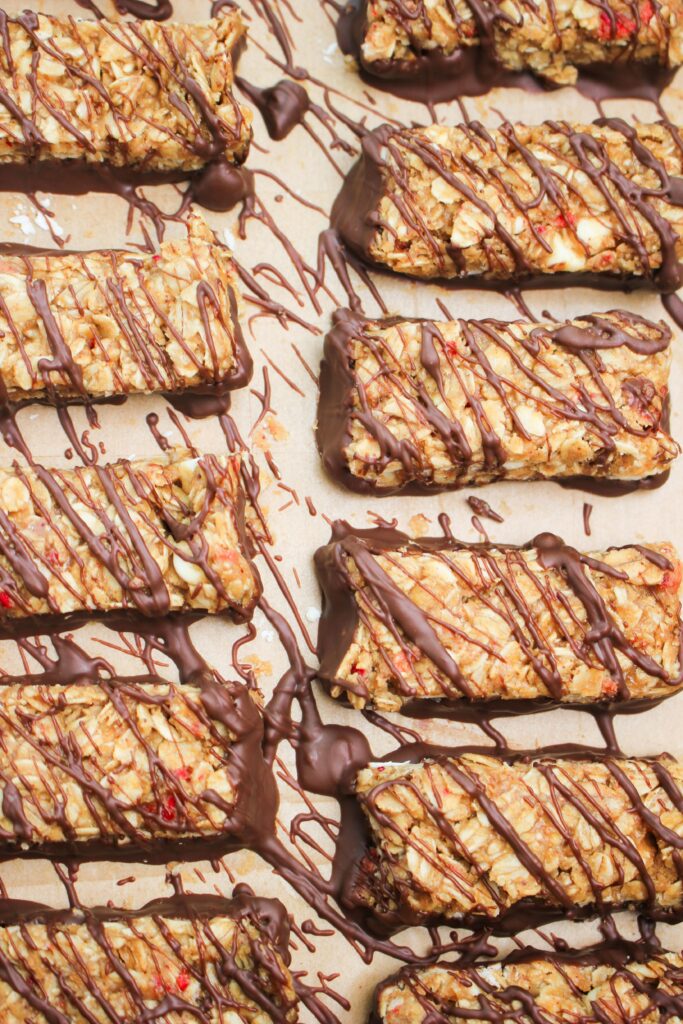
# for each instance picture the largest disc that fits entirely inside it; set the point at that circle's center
(411, 622)
(422, 406)
(598, 203)
(154, 537)
(475, 839)
(205, 957)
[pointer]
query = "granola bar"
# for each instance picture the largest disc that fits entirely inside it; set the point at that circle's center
(554, 42)
(96, 324)
(153, 537)
(581, 202)
(122, 768)
(408, 620)
(129, 94)
(473, 838)
(591, 986)
(185, 958)
(424, 406)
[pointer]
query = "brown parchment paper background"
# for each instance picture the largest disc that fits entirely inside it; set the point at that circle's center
(303, 163)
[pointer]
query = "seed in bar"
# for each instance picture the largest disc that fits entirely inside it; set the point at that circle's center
(423, 406)
(407, 621)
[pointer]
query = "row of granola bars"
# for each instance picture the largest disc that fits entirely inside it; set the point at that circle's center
(430, 626)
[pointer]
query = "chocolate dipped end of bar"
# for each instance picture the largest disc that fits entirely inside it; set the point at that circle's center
(420, 406)
(416, 625)
(464, 203)
(467, 839)
(122, 770)
(201, 956)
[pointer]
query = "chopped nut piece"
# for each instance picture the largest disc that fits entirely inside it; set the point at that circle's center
(421, 406)
(129, 94)
(154, 537)
(96, 324)
(552, 40)
(584, 986)
(520, 202)
(179, 958)
(121, 768)
(408, 620)
(473, 838)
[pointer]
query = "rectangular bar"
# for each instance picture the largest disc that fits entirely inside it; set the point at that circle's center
(586, 985)
(181, 958)
(475, 839)
(578, 203)
(408, 621)
(423, 406)
(121, 769)
(139, 95)
(91, 325)
(553, 42)
(152, 537)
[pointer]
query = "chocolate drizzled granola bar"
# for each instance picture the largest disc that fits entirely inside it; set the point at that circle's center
(136, 95)
(187, 958)
(554, 41)
(96, 324)
(590, 986)
(424, 406)
(407, 620)
(154, 537)
(553, 202)
(473, 838)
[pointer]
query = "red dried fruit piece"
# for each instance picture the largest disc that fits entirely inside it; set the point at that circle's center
(672, 578)
(5, 599)
(183, 980)
(358, 670)
(647, 12)
(565, 220)
(53, 557)
(183, 773)
(619, 28)
(168, 809)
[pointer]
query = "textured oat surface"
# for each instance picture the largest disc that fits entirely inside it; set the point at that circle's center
(146, 95)
(516, 404)
(113, 762)
(130, 322)
(558, 990)
(547, 38)
(157, 536)
(473, 834)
